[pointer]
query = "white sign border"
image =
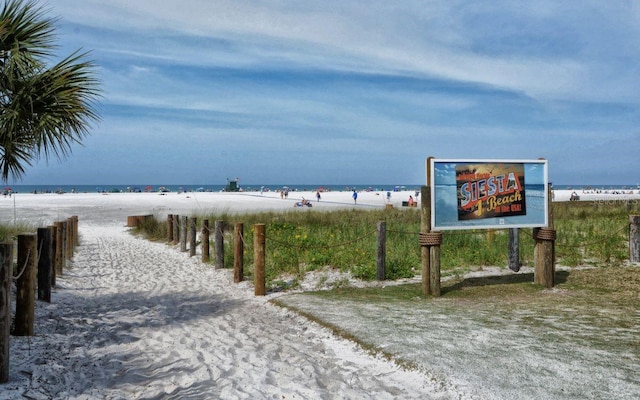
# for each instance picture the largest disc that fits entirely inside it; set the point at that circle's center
(431, 184)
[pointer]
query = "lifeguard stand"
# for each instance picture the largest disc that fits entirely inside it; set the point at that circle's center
(232, 186)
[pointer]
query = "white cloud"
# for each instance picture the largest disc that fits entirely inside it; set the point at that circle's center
(355, 80)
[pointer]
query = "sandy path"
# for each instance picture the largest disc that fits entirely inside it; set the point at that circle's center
(134, 319)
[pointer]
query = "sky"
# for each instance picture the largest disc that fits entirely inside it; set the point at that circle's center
(349, 92)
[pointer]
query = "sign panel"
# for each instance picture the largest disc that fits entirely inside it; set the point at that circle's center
(485, 194)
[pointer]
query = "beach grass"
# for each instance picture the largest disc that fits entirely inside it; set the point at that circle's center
(588, 233)
(9, 232)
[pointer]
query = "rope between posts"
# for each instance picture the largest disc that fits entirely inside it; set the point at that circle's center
(544, 234)
(24, 267)
(541, 233)
(595, 241)
(26, 261)
(402, 232)
(323, 246)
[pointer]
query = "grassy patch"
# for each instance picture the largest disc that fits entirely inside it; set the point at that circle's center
(8, 233)
(297, 242)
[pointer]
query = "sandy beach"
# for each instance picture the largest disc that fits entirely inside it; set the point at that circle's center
(135, 319)
(132, 319)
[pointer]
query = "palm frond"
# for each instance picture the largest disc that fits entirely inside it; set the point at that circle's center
(43, 110)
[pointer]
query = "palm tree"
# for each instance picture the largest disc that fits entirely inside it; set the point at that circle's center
(43, 110)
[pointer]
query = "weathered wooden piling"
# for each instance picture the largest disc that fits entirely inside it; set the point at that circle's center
(6, 268)
(218, 235)
(259, 241)
(26, 282)
(45, 243)
(192, 236)
(238, 252)
(205, 241)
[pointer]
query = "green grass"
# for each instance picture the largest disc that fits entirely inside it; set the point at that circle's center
(9, 232)
(587, 234)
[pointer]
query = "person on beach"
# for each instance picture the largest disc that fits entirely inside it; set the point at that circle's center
(303, 203)
(318, 195)
(355, 197)
(411, 202)
(388, 196)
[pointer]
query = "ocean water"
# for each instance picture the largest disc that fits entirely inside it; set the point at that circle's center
(201, 187)
(249, 187)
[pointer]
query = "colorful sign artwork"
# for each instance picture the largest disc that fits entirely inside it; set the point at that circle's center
(490, 190)
(472, 194)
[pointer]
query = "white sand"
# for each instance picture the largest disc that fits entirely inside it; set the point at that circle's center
(131, 319)
(135, 319)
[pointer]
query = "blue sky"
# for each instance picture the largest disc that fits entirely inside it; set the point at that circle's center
(348, 92)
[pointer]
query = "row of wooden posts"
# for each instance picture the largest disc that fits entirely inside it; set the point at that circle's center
(182, 230)
(41, 256)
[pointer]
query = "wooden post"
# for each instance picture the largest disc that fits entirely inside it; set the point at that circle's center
(434, 255)
(54, 254)
(259, 241)
(59, 248)
(44, 264)
(490, 235)
(238, 253)
(192, 236)
(65, 247)
(430, 242)
(70, 239)
(634, 238)
(176, 229)
(382, 250)
(25, 295)
(170, 228)
(425, 226)
(135, 221)
(6, 268)
(205, 241)
(514, 249)
(183, 233)
(544, 251)
(76, 235)
(218, 241)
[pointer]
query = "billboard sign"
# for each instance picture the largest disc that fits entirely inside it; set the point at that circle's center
(486, 194)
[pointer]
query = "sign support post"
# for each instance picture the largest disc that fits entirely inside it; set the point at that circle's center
(544, 254)
(487, 194)
(430, 242)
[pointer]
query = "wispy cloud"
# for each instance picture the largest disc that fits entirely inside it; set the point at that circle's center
(360, 91)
